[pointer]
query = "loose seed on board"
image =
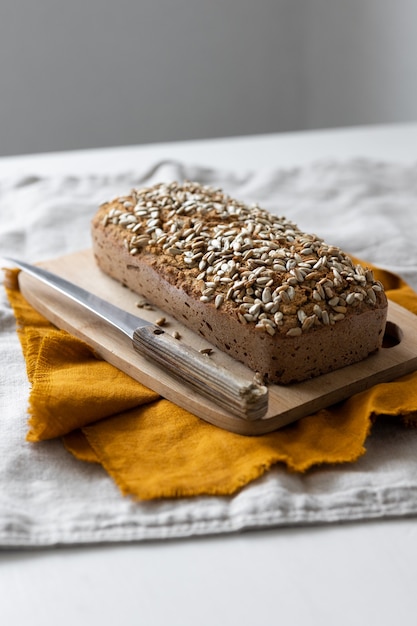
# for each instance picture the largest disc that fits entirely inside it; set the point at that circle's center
(207, 351)
(258, 379)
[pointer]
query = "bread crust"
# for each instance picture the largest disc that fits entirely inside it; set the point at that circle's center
(297, 338)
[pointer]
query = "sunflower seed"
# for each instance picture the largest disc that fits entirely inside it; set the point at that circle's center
(294, 332)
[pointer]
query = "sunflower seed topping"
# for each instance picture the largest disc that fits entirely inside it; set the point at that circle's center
(241, 258)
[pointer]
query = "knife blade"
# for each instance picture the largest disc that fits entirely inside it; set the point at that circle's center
(243, 398)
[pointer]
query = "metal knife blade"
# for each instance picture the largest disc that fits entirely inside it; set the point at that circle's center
(120, 319)
(246, 399)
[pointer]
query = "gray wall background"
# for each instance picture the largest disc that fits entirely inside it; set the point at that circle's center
(90, 73)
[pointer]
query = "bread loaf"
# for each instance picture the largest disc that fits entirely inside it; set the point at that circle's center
(283, 302)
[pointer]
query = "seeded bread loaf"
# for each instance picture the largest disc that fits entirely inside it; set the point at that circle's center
(283, 302)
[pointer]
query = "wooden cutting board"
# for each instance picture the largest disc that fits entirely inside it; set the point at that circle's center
(286, 403)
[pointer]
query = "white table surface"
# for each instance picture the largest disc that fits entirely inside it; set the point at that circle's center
(361, 573)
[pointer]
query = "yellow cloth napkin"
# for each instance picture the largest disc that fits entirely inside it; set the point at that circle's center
(154, 449)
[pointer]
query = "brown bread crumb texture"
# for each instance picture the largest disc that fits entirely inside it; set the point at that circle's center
(283, 302)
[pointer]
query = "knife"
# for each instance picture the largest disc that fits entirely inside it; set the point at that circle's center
(243, 398)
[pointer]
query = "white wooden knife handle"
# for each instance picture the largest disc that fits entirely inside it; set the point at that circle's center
(246, 399)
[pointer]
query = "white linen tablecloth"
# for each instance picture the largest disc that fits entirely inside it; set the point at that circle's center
(49, 498)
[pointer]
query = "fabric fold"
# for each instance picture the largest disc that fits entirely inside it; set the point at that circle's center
(153, 449)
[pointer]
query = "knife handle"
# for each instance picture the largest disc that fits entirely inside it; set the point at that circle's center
(246, 399)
